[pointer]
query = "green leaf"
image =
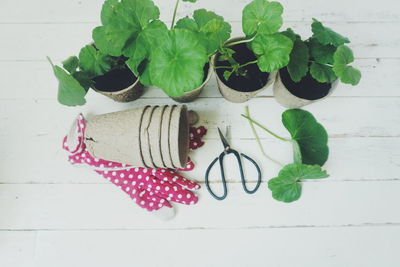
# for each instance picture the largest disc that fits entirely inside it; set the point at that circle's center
(84, 79)
(326, 35)
(227, 74)
(291, 34)
(108, 11)
(347, 74)
(299, 57)
(212, 29)
(192, 1)
(176, 66)
(286, 187)
(147, 41)
(309, 135)
(272, 50)
(321, 53)
(70, 91)
(71, 64)
(94, 62)
(261, 16)
(322, 73)
(127, 19)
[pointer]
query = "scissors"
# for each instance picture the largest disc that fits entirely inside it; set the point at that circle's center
(228, 150)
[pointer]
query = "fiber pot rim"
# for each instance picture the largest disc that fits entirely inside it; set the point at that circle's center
(286, 99)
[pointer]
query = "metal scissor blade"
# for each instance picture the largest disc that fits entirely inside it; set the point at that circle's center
(223, 140)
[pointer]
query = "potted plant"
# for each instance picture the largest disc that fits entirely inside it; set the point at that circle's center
(245, 66)
(175, 59)
(315, 67)
(105, 74)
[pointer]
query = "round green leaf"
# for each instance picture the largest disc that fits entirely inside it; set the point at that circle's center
(326, 35)
(299, 58)
(321, 53)
(310, 136)
(176, 66)
(94, 62)
(347, 74)
(322, 73)
(272, 50)
(286, 187)
(261, 16)
(71, 64)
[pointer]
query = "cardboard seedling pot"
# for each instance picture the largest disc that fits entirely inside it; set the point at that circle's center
(115, 136)
(128, 94)
(284, 97)
(179, 136)
(232, 94)
(192, 95)
(165, 123)
(144, 137)
(154, 136)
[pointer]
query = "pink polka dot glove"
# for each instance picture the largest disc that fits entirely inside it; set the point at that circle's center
(150, 188)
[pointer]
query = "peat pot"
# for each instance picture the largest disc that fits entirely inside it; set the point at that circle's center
(295, 95)
(120, 85)
(239, 89)
(150, 136)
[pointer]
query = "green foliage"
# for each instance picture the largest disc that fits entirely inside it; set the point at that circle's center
(327, 36)
(93, 61)
(71, 64)
(322, 73)
(193, 1)
(176, 66)
(272, 51)
(286, 187)
(310, 136)
(347, 74)
(70, 91)
(262, 16)
(299, 58)
(322, 54)
(211, 29)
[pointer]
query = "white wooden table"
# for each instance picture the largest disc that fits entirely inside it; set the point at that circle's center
(53, 214)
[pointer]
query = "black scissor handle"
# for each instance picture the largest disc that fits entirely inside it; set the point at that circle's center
(220, 158)
(242, 174)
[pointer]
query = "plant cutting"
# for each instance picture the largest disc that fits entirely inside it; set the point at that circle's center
(310, 151)
(315, 67)
(175, 59)
(245, 66)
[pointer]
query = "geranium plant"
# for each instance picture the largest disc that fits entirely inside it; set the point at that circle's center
(324, 55)
(172, 59)
(310, 152)
(261, 22)
(75, 78)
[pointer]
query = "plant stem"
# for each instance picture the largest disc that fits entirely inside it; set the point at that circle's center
(223, 67)
(265, 129)
(175, 10)
(239, 42)
(248, 63)
(247, 113)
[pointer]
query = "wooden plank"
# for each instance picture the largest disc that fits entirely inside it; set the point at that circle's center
(104, 206)
(329, 247)
(39, 82)
(350, 159)
(17, 249)
(88, 11)
(62, 40)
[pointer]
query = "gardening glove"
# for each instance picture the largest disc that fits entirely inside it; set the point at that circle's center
(150, 188)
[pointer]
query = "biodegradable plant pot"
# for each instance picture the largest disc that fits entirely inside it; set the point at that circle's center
(144, 137)
(165, 123)
(295, 95)
(179, 136)
(239, 89)
(120, 85)
(154, 136)
(192, 95)
(115, 136)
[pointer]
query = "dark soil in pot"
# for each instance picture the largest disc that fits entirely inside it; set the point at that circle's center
(115, 80)
(308, 88)
(254, 78)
